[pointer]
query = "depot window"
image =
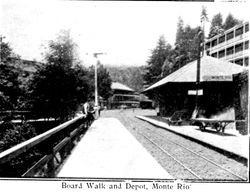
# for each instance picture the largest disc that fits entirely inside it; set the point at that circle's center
(239, 61)
(239, 47)
(214, 55)
(221, 53)
(246, 61)
(230, 50)
(239, 31)
(247, 27)
(222, 39)
(207, 45)
(214, 42)
(246, 45)
(230, 35)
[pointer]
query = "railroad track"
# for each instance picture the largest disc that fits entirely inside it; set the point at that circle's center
(206, 169)
(236, 177)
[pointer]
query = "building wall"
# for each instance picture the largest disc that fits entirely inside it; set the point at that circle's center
(232, 45)
(125, 98)
(216, 98)
(241, 101)
(173, 97)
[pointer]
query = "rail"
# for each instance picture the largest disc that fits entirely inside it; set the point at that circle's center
(49, 145)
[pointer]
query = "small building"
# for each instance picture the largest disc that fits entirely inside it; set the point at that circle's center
(177, 91)
(145, 102)
(241, 82)
(232, 45)
(122, 97)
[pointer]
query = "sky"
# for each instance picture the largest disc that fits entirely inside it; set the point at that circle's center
(125, 31)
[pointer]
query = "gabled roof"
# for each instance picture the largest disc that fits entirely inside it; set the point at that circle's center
(119, 86)
(211, 69)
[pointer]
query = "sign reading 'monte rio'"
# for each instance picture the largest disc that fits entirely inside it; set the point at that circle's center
(217, 78)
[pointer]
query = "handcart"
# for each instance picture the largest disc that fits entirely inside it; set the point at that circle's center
(217, 124)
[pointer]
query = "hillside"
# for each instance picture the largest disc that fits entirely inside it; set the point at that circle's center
(131, 76)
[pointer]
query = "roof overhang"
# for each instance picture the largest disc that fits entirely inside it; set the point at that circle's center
(211, 70)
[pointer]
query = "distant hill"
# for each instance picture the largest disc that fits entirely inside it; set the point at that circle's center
(131, 76)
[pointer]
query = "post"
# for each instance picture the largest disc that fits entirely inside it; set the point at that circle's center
(96, 89)
(197, 76)
(96, 85)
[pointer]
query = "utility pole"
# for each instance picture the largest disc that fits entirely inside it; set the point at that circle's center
(201, 39)
(198, 74)
(96, 87)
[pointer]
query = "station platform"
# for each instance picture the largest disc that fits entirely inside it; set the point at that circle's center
(229, 141)
(109, 150)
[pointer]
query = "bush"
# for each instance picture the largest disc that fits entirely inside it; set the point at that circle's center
(11, 135)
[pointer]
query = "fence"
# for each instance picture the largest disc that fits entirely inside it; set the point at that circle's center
(51, 147)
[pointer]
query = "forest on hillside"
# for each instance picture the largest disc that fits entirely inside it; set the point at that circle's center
(131, 76)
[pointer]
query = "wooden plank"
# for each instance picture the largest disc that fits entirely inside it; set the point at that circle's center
(60, 145)
(213, 120)
(74, 132)
(36, 166)
(24, 146)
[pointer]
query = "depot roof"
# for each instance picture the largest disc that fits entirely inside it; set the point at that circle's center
(119, 86)
(211, 69)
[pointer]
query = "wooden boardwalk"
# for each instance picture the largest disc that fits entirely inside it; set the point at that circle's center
(109, 150)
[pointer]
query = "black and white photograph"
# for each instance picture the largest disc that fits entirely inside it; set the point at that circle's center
(124, 96)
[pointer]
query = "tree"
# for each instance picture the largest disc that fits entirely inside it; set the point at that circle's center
(6, 51)
(59, 86)
(131, 76)
(230, 22)
(83, 86)
(204, 16)
(156, 60)
(167, 67)
(103, 82)
(62, 51)
(9, 83)
(186, 46)
(187, 41)
(216, 25)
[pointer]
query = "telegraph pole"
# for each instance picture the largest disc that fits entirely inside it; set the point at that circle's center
(96, 87)
(201, 35)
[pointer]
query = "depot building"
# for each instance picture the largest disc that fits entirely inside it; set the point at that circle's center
(221, 93)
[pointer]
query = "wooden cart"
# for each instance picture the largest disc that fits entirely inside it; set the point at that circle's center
(218, 125)
(179, 117)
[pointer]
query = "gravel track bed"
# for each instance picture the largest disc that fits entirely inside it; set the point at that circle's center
(198, 165)
(222, 160)
(161, 136)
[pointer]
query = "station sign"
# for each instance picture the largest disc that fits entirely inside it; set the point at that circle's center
(217, 78)
(195, 92)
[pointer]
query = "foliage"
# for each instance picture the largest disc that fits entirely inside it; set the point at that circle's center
(9, 83)
(12, 134)
(186, 46)
(156, 60)
(132, 76)
(62, 51)
(230, 22)
(83, 84)
(180, 30)
(167, 67)
(59, 86)
(103, 82)
(165, 59)
(204, 16)
(216, 25)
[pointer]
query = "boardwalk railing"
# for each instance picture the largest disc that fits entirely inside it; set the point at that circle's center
(52, 146)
